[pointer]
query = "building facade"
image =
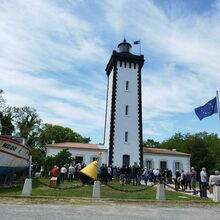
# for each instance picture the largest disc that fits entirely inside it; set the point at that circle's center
(166, 159)
(152, 157)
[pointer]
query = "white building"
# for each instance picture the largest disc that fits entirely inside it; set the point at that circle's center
(152, 157)
(123, 139)
(166, 159)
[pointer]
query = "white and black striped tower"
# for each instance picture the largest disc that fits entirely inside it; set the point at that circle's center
(123, 121)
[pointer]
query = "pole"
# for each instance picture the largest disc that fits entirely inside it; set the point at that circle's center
(140, 47)
(30, 162)
(217, 97)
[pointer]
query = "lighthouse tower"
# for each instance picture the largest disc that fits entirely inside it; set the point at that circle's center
(123, 121)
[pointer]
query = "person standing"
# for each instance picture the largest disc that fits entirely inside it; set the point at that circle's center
(188, 180)
(33, 169)
(56, 173)
(102, 170)
(183, 180)
(122, 175)
(63, 172)
(134, 174)
(139, 175)
(203, 183)
(177, 180)
(78, 168)
(145, 175)
(193, 175)
(71, 171)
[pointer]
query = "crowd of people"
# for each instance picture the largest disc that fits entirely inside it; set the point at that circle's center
(125, 174)
(208, 182)
(66, 172)
(136, 175)
(188, 180)
(133, 174)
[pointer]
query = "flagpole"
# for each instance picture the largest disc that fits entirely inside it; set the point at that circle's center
(217, 97)
(140, 47)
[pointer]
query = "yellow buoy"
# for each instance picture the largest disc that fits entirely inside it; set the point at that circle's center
(89, 173)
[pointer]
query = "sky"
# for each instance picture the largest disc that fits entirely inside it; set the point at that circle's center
(53, 55)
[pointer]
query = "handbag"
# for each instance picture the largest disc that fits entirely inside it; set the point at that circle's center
(210, 189)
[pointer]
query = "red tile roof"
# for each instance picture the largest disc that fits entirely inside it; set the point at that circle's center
(163, 151)
(76, 145)
(98, 147)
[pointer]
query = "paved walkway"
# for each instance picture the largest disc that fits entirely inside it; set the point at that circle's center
(190, 192)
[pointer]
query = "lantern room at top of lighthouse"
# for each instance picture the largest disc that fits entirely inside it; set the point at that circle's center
(124, 47)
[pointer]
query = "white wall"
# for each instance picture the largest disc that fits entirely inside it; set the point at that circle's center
(127, 123)
(185, 161)
(155, 158)
(86, 154)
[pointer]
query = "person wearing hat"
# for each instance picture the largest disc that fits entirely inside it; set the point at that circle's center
(204, 183)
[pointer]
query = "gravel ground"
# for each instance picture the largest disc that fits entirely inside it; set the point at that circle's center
(106, 211)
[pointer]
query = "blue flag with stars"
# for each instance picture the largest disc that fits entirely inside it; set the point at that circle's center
(208, 109)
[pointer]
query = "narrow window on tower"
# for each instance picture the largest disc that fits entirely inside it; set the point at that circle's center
(126, 110)
(127, 85)
(126, 136)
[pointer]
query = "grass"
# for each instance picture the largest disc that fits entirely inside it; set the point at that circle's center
(148, 193)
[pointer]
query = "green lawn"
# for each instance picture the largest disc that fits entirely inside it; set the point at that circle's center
(148, 193)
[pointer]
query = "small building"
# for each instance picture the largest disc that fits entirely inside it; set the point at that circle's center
(166, 159)
(152, 157)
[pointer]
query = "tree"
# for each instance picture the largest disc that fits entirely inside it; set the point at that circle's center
(38, 155)
(48, 164)
(27, 123)
(177, 141)
(150, 143)
(201, 156)
(6, 119)
(203, 147)
(59, 134)
(64, 157)
(2, 101)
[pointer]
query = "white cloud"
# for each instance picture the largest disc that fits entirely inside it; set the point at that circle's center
(70, 107)
(184, 50)
(43, 48)
(54, 55)
(33, 32)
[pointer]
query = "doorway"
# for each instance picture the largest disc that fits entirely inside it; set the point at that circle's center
(163, 165)
(126, 160)
(78, 159)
